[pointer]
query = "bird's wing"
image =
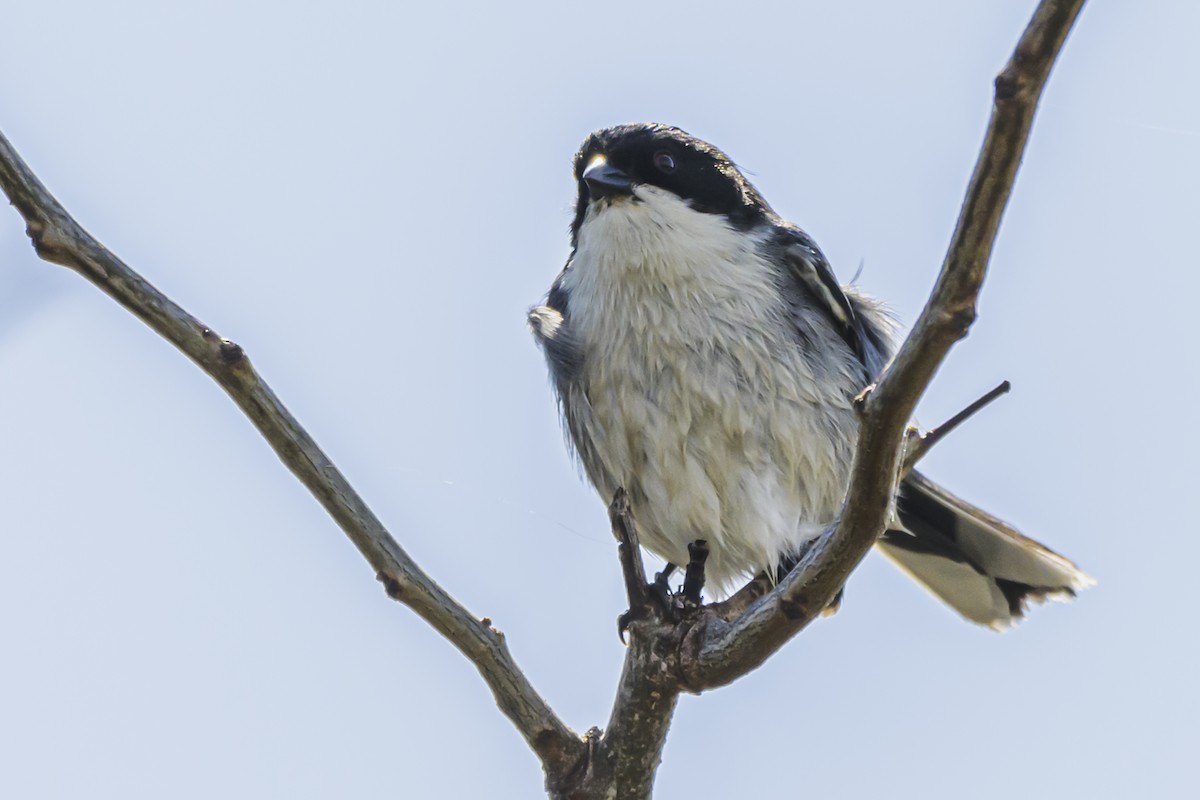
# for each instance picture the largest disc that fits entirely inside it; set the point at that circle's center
(864, 325)
(807, 264)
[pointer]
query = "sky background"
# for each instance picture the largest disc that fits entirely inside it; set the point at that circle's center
(368, 197)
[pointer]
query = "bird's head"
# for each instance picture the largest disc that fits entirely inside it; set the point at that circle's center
(637, 162)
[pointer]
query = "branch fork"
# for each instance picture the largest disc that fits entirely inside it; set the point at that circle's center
(718, 643)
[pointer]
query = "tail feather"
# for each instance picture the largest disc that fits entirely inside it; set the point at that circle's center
(977, 564)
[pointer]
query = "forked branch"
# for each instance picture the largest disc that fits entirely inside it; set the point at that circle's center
(718, 644)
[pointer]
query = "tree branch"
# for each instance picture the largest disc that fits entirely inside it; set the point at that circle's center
(58, 238)
(628, 753)
(716, 651)
(623, 759)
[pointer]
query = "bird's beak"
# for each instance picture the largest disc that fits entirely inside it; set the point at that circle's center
(605, 180)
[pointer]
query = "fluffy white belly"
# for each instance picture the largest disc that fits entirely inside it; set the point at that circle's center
(701, 402)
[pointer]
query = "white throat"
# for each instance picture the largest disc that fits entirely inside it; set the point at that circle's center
(636, 258)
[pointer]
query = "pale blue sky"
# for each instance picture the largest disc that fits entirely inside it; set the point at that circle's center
(368, 198)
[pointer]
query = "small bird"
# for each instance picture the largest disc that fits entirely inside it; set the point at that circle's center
(706, 360)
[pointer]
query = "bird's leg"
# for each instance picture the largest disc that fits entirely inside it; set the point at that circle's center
(693, 578)
(637, 589)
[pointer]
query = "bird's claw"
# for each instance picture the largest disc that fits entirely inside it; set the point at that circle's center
(660, 589)
(659, 600)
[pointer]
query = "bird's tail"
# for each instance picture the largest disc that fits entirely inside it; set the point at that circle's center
(978, 565)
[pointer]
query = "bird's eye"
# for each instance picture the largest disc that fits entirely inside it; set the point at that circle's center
(664, 162)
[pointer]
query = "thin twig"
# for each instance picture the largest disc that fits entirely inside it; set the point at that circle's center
(927, 440)
(58, 238)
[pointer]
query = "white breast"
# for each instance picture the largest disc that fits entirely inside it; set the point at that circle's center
(702, 403)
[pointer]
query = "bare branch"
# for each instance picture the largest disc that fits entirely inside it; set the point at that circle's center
(58, 238)
(624, 758)
(628, 754)
(717, 651)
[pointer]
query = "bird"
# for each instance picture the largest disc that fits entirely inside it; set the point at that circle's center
(706, 361)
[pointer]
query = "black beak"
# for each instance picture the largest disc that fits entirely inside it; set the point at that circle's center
(605, 180)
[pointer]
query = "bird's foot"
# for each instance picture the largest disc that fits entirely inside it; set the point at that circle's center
(652, 600)
(659, 600)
